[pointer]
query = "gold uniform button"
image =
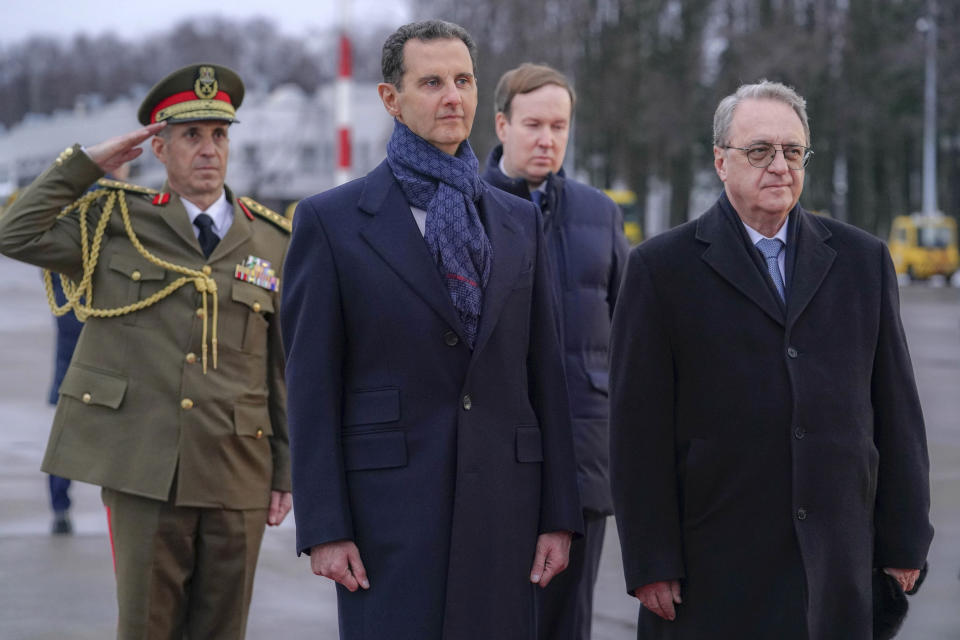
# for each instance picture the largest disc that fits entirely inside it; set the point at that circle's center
(206, 270)
(199, 312)
(136, 275)
(259, 433)
(191, 357)
(86, 398)
(68, 151)
(186, 403)
(256, 307)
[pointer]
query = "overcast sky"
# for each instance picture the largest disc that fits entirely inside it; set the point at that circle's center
(66, 18)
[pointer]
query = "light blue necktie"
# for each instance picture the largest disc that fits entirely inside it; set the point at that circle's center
(771, 248)
(537, 196)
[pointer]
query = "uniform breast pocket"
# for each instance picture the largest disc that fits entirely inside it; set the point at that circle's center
(132, 279)
(251, 330)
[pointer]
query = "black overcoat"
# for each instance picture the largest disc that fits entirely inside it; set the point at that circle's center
(767, 456)
(443, 464)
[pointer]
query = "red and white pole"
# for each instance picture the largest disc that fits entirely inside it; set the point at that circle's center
(343, 90)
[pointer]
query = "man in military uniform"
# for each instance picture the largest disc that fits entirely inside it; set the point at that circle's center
(174, 402)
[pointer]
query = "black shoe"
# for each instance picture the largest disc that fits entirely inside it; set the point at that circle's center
(61, 524)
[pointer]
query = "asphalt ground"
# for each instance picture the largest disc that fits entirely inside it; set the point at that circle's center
(62, 588)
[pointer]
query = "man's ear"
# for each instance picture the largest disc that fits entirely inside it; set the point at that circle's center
(159, 146)
(391, 99)
(501, 122)
(719, 163)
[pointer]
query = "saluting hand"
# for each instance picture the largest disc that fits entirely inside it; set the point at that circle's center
(111, 154)
(660, 597)
(339, 561)
(552, 556)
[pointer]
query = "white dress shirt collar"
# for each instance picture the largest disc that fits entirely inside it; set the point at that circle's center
(220, 211)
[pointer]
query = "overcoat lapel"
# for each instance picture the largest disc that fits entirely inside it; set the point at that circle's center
(508, 253)
(393, 234)
(728, 256)
(813, 260)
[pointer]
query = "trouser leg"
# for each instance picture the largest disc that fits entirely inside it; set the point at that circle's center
(153, 547)
(59, 498)
(228, 544)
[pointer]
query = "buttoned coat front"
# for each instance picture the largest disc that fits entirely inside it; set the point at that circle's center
(443, 464)
(769, 456)
(136, 412)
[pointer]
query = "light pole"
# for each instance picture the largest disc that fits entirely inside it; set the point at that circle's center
(928, 26)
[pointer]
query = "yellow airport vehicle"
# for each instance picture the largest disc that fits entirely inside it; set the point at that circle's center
(632, 222)
(924, 245)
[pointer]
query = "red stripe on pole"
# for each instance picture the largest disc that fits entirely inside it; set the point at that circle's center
(346, 66)
(343, 160)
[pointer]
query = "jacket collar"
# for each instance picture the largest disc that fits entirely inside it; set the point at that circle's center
(393, 234)
(175, 215)
(728, 254)
(518, 186)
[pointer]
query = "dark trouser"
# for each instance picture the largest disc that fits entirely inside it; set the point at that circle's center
(565, 607)
(182, 571)
(59, 500)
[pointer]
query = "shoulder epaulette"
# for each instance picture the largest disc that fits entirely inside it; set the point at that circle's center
(267, 214)
(106, 183)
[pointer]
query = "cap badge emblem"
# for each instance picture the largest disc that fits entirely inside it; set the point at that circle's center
(206, 86)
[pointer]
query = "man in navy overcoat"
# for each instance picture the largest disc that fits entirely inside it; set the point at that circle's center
(433, 468)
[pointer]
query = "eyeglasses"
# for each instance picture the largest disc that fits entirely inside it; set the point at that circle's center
(761, 155)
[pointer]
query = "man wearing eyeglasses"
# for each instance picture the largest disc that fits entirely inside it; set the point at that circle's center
(767, 444)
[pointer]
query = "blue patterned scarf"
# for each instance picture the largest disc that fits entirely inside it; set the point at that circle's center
(447, 188)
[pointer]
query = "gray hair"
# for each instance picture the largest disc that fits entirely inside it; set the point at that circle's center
(763, 90)
(391, 61)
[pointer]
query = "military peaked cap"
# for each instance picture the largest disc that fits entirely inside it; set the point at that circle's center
(195, 92)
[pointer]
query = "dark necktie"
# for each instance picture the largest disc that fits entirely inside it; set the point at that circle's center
(208, 238)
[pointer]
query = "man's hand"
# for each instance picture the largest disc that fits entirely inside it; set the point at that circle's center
(280, 504)
(339, 561)
(660, 597)
(552, 556)
(905, 577)
(111, 154)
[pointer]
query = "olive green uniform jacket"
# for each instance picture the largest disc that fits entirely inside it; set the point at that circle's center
(137, 413)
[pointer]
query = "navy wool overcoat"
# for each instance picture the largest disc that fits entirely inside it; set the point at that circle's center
(443, 464)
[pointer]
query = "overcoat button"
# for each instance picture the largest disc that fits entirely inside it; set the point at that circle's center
(791, 352)
(451, 338)
(799, 432)
(467, 402)
(801, 514)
